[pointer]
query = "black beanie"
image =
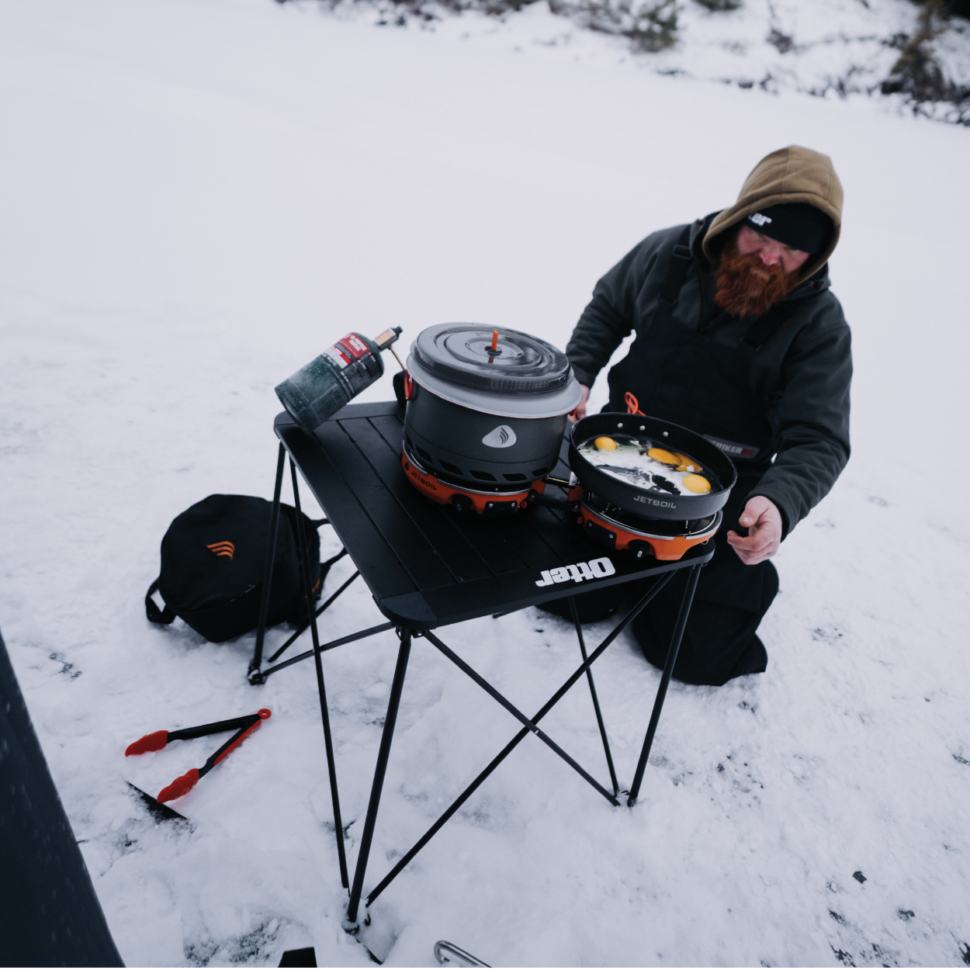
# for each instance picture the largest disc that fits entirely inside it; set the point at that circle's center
(796, 224)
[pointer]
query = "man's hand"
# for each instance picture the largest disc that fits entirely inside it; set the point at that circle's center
(580, 411)
(763, 521)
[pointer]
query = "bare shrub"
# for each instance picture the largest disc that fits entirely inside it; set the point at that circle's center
(721, 6)
(917, 73)
(654, 26)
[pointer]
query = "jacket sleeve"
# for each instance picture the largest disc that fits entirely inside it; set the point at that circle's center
(812, 422)
(609, 316)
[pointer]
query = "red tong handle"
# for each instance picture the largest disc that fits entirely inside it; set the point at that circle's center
(184, 784)
(181, 786)
(150, 742)
(242, 737)
(188, 781)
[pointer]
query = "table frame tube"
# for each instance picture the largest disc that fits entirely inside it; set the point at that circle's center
(529, 727)
(321, 687)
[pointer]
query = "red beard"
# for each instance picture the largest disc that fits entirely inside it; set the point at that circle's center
(746, 287)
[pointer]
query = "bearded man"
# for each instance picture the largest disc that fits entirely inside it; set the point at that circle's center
(739, 338)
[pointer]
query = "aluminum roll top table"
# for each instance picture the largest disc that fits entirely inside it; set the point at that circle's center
(428, 566)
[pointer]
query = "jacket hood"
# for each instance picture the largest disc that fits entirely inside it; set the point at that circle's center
(792, 174)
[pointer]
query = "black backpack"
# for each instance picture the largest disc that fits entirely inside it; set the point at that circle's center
(213, 559)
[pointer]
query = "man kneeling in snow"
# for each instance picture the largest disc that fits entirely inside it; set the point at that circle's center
(739, 338)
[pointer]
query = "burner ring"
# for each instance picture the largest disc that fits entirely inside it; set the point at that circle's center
(619, 535)
(442, 492)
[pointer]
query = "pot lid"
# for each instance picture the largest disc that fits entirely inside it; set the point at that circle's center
(496, 359)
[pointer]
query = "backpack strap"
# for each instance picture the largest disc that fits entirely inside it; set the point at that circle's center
(677, 270)
(154, 614)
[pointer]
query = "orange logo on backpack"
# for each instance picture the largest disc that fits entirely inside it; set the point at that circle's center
(222, 549)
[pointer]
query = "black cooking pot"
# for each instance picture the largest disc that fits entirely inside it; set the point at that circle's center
(653, 502)
(487, 406)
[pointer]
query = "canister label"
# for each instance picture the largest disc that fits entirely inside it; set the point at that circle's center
(355, 364)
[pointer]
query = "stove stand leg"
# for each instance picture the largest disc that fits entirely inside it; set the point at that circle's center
(321, 687)
(382, 758)
(658, 704)
(592, 692)
(274, 522)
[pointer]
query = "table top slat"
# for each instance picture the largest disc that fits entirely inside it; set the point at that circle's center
(398, 531)
(378, 563)
(500, 550)
(460, 557)
(428, 565)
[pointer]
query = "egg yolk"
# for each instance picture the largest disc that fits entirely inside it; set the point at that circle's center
(605, 444)
(664, 457)
(696, 483)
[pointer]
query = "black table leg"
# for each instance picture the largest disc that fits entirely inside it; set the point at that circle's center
(672, 652)
(321, 688)
(299, 633)
(274, 523)
(658, 585)
(592, 693)
(382, 757)
(350, 638)
(519, 716)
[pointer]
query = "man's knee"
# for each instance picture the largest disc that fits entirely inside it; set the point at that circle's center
(591, 606)
(719, 642)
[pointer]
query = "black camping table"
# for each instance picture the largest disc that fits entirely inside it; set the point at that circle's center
(428, 566)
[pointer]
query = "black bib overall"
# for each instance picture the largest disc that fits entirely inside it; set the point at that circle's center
(688, 377)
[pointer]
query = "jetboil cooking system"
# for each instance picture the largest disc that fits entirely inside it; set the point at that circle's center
(486, 413)
(623, 515)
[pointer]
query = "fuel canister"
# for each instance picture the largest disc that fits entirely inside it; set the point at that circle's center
(320, 389)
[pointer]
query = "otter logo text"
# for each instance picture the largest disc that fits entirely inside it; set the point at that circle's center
(594, 569)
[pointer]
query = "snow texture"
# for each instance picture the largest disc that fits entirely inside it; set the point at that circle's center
(201, 195)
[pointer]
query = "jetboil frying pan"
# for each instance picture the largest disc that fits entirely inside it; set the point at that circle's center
(652, 502)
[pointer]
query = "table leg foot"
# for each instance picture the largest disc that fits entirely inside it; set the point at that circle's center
(672, 651)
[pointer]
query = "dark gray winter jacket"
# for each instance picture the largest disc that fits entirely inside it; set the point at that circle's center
(780, 410)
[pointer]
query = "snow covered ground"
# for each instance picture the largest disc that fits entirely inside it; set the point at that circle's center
(200, 195)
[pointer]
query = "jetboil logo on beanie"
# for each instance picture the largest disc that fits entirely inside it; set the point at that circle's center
(796, 224)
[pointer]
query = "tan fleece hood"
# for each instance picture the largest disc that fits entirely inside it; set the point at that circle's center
(792, 174)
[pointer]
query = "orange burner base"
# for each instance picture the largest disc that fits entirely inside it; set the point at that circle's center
(460, 496)
(618, 535)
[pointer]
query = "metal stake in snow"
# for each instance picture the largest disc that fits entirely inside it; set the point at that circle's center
(445, 952)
